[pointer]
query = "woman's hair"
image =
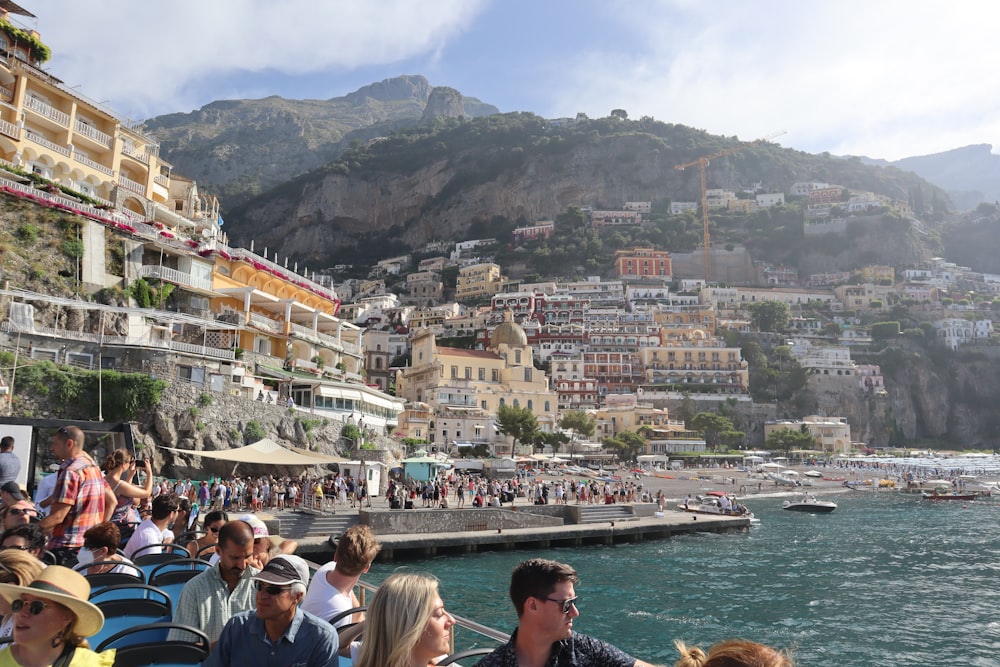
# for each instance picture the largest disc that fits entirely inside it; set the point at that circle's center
(105, 535)
(32, 533)
(215, 515)
(116, 458)
(396, 619)
(732, 653)
(19, 567)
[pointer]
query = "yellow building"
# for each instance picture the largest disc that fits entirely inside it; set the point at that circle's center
(832, 434)
(479, 280)
(477, 382)
(696, 359)
(879, 274)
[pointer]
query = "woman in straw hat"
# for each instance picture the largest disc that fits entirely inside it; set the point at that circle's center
(52, 619)
(16, 567)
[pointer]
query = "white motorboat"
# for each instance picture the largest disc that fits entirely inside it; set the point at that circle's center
(809, 503)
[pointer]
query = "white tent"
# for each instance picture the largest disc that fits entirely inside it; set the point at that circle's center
(264, 452)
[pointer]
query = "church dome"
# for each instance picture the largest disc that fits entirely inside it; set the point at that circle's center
(509, 333)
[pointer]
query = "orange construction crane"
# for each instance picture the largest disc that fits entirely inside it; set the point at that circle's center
(701, 163)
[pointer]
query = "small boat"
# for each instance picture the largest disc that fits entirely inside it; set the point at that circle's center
(951, 495)
(809, 503)
(713, 503)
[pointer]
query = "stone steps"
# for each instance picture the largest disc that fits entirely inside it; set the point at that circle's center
(604, 513)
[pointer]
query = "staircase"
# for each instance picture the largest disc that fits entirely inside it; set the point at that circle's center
(606, 513)
(304, 524)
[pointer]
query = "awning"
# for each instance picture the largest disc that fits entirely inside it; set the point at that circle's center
(265, 452)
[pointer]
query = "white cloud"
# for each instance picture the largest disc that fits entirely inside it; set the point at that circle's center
(153, 58)
(887, 78)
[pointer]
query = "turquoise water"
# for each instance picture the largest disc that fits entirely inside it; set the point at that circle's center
(887, 579)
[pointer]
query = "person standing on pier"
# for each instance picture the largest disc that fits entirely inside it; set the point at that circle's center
(545, 600)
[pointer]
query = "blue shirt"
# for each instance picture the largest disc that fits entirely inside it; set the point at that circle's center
(309, 641)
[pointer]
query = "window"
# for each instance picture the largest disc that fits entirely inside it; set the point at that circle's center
(547, 409)
(468, 372)
(527, 375)
(530, 406)
(454, 372)
(483, 405)
(496, 375)
(191, 374)
(482, 373)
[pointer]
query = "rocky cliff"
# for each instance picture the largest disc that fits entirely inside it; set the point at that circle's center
(238, 148)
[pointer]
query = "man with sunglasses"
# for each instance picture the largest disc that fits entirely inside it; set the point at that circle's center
(277, 632)
(545, 600)
(18, 514)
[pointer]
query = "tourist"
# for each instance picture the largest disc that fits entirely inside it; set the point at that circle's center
(10, 465)
(332, 589)
(80, 497)
(100, 545)
(732, 653)
(214, 521)
(545, 600)
(28, 538)
(407, 625)
(19, 568)
(210, 599)
(278, 632)
(18, 514)
(52, 621)
(119, 469)
(265, 545)
(156, 529)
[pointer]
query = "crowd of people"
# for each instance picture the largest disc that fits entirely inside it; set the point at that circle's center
(256, 601)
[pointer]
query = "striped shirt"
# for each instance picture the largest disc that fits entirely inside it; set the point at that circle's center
(206, 603)
(80, 485)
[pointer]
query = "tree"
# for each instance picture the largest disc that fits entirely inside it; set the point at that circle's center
(769, 315)
(787, 439)
(519, 423)
(580, 423)
(685, 412)
(627, 445)
(712, 426)
(885, 330)
(620, 114)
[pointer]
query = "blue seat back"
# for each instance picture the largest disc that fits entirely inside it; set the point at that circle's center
(146, 645)
(171, 576)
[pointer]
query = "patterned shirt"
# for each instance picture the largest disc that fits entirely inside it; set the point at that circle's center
(577, 651)
(81, 486)
(206, 603)
(309, 641)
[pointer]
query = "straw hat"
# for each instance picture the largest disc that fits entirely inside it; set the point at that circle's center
(63, 586)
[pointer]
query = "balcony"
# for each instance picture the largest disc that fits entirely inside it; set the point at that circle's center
(93, 133)
(43, 109)
(267, 324)
(82, 159)
(176, 277)
(135, 153)
(10, 130)
(6, 95)
(39, 139)
(130, 185)
(161, 180)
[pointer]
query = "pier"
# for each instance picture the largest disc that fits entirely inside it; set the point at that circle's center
(424, 533)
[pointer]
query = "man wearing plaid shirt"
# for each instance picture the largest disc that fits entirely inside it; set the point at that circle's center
(79, 499)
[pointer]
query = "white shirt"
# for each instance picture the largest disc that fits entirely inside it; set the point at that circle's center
(145, 534)
(324, 600)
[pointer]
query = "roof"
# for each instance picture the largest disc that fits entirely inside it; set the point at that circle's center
(267, 452)
(462, 352)
(14, 8)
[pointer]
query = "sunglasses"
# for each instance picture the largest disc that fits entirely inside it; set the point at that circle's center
(35, 607)
(214, 529)
(21, 512)
(15, 546)
(270, 589)
(567, 604)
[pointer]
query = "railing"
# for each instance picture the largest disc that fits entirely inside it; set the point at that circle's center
(117, 216)
(136, 154)
(43, 109)
(39, 139)
(161, 180)
(9, 129)
(241, 254)
(174, 276)
(266, 323)
(129, 184)
(92, 132)
(6, 94)
(304, 331)
(351, 348)
(203, 350)
(93, 165)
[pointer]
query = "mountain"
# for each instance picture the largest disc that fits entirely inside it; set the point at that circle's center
(971, 175)
(239, 148)
(470, 177)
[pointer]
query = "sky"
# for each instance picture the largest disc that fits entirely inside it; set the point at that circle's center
(882, 78)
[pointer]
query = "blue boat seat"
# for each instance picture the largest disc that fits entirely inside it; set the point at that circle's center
(147, 645)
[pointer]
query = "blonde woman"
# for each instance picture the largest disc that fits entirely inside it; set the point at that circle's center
(732, 653)
(406, 624)
(19, 568)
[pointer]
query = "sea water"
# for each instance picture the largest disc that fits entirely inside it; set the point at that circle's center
(886, 579)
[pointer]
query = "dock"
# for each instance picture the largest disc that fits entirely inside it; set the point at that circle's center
(425, 533)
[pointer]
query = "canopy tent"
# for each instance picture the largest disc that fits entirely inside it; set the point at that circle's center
(265, 452)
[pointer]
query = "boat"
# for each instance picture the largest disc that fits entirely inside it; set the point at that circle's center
(809, 503)
(951, 495)
(713, 503)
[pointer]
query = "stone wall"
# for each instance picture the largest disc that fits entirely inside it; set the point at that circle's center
(453, 521)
